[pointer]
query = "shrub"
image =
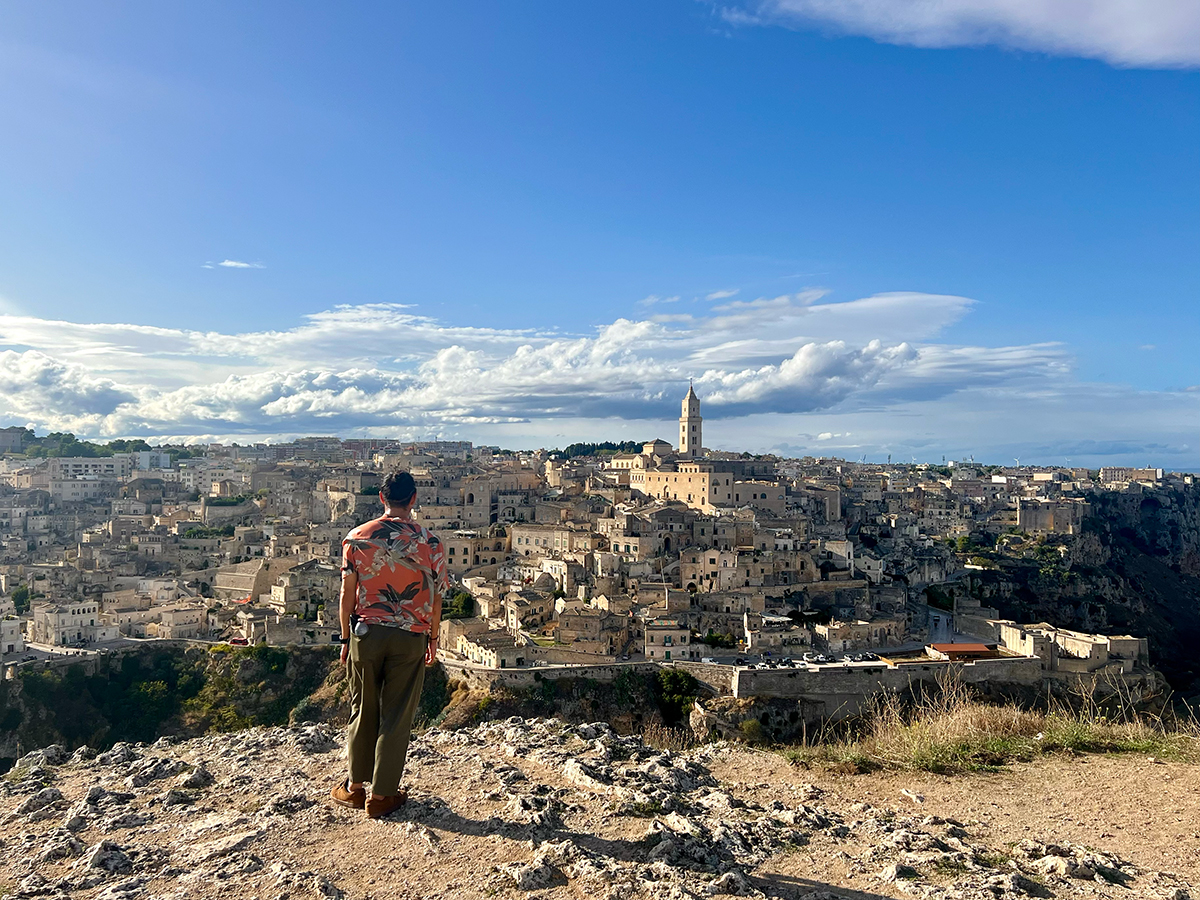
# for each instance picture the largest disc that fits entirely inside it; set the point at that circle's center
(752, 732)
(227, 501)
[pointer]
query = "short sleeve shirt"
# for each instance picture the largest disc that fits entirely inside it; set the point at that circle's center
(401, 569)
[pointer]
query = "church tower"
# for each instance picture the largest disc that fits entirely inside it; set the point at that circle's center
(690, 427)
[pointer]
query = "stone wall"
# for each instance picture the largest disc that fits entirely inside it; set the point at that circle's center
(564, 656)
(481, 678)
(718, 679)
(845, 691)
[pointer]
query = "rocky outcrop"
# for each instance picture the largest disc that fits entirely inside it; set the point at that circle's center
(504, 809)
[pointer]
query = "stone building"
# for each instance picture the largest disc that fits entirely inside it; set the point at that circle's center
(493, 649)
(691, 431)
(77, 622)
(667, 639)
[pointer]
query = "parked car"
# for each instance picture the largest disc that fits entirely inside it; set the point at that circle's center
(239, 642)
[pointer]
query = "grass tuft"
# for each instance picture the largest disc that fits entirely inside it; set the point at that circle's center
(667, 737)
(949, 731)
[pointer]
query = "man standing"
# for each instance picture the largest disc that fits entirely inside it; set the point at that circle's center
(393, 575)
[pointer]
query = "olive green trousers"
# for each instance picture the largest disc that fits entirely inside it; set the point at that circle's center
(387, 671)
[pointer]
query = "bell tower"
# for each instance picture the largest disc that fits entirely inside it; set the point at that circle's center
(691, 427)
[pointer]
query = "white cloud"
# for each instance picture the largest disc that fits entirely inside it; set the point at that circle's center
(816, 376)
(876, 367)
(654, 300)
(721, 295)
(36, 388)
(238, 264)
(1141, 33)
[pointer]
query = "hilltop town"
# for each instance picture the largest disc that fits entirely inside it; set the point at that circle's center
(809, 578)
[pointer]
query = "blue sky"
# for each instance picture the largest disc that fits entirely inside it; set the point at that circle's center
(971, 228)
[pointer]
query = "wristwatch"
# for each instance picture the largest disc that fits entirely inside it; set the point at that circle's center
(343, 640)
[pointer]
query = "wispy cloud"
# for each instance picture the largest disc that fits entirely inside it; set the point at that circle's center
(655, 300)
(1153, 34)
(238, 264)
(721, 295)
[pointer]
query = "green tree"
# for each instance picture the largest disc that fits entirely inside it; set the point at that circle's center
(20, 597)
(676, 689)
(459, 606)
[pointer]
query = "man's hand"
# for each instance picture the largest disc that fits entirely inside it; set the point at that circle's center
(345, 653)
(431, 652)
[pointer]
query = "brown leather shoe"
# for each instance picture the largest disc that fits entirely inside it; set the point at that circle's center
(343, 796)
(378, 807)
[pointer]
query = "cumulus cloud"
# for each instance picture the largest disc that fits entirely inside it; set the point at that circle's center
(851, 365)
(816, 376)
(1141, 33)
(37, 388)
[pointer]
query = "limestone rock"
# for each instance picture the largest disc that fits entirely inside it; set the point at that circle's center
(109, 856)
(38, 801)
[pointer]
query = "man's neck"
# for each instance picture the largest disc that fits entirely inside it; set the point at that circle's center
(397, 512)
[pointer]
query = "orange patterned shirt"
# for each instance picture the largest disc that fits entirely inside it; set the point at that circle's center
(401, 570)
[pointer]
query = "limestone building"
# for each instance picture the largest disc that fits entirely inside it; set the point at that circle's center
(691, 431)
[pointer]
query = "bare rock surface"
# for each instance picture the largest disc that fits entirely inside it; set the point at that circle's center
(537, 808)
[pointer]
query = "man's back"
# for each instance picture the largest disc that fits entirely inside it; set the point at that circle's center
(401, 569)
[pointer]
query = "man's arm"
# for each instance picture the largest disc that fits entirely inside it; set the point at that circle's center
(440, 586)
(435, 625)
(348, 601)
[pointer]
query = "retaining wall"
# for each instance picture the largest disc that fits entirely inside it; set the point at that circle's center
(717, 678)
(483, 678)
(845, 691)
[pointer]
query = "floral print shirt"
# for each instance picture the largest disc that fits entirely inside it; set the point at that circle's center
(401, 569)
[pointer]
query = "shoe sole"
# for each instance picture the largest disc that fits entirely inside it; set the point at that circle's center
(348, 804)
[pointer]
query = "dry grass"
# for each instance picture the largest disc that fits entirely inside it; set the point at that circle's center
(949, 731)
(664, 737)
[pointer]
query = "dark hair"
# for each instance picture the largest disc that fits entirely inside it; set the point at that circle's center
(398, 488)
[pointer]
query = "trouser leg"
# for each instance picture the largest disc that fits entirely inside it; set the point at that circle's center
(400, 695)
(365, 673)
